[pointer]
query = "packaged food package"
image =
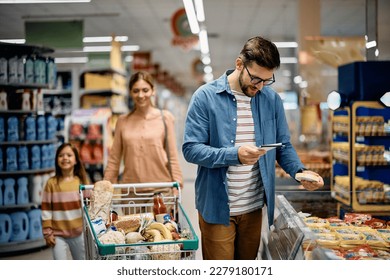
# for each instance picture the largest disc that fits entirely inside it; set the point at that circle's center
(101, 200)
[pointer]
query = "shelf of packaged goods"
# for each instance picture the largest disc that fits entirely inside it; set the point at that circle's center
(25, 143)
(21, 246)
(21, 172)
(6, 208)
(26, 86)
(9, 49)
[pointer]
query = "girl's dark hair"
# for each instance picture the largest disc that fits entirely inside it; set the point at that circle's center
(262, 51)
(79, 169)
(137, 76)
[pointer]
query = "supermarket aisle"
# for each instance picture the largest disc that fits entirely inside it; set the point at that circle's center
(188, 201)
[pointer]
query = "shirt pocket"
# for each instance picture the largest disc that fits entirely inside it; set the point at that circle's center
(269, 131)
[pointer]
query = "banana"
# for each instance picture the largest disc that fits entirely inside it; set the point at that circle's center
(163, 230)
(153, 234)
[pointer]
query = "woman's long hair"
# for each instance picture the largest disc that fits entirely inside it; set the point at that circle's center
(137, 76)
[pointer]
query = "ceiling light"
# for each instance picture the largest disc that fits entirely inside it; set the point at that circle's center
(203, 41)
(206, 60)
(208, 69)
(127, 48)
(42, 1)
(14, 41)
(288, 60)
(286, 44)
(385, 99)
(190, 11)
(102, 39)
(370, 44)
(199, 10)
(61, 60)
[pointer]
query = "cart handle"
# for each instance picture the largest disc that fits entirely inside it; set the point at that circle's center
(137, 185)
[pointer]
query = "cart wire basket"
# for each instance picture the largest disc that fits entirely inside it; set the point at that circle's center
(131, 200)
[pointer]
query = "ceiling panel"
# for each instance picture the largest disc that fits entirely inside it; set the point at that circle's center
(229, 23)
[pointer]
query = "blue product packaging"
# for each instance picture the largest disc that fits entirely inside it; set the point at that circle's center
(20, 226)
(2, 130)
(9, 197)
(5, 228)
(45, 157)
(30, 129)
(12, 129)
(1, 160)
(35, 230)
(51, 127)
(1, 192)
(22, 194)
(35, 157)
(12, 159)
(23, 158)
(41, 128)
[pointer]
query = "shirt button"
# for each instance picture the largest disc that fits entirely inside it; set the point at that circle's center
(231, 141)
(234, 99)
(234, 119)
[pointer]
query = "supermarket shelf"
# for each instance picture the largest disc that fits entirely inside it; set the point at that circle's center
(20, 246)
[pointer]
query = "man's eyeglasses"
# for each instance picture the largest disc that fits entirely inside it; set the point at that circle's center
(257, 80)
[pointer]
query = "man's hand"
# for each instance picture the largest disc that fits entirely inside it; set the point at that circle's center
(311, 186)
(250, 154)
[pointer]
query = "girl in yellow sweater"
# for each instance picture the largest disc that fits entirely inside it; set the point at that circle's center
(62, 220)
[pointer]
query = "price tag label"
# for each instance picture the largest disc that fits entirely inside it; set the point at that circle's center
(360, 169)
(360, 139)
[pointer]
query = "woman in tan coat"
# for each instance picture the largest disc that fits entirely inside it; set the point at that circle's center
(140, 140)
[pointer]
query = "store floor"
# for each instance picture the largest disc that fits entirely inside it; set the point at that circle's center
(188, 202)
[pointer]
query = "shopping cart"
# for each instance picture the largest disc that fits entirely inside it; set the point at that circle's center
(141, 203)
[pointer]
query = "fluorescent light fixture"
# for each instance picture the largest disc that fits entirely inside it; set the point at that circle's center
(206, 60)
(129, 58)
(370, 44)
(203, 41)
(190, 11)
(288, 60)
(104, 39)
(14, 41)
(199, 10)
(42, 1)
(385, 99)
(62, 60)
(130, 48)
(334, 100)
(208, 69)
(297, 79)
(127, 48)
(286, 44)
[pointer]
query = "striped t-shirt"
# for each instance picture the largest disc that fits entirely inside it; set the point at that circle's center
(246, 192)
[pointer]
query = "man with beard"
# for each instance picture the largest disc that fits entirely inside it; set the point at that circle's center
(227, 121)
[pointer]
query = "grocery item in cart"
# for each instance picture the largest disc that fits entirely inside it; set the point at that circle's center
(101, 200)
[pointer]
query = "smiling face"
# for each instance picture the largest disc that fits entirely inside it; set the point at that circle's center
(141, 93)
(66, 159)
(256, 71)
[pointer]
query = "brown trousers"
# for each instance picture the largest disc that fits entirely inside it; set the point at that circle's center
(238, 241)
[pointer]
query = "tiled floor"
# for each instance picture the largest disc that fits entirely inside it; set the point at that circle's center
(188, 202)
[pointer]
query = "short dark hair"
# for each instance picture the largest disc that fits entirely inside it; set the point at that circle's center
(262, 51)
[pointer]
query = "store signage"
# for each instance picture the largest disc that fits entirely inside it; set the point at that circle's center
(55, 34)
(183, 36)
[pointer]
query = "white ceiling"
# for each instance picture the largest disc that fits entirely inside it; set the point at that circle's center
(229, 23)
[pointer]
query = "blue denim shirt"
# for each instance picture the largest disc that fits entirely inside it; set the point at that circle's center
(209, 138)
